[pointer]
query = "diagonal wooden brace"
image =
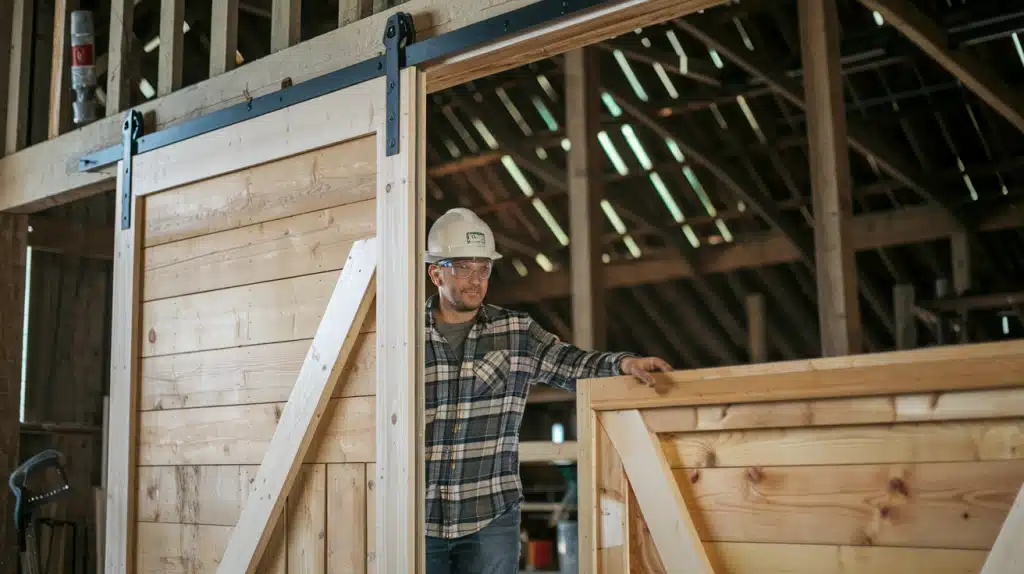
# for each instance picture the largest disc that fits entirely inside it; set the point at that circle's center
(326, 359)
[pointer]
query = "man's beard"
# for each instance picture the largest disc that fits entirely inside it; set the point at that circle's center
(460, 305)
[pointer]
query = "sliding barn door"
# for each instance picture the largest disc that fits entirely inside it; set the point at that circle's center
(235, 241)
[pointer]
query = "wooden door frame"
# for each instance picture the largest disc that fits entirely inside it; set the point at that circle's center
(355, 112)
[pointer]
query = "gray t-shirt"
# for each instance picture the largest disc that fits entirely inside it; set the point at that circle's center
(455, 334)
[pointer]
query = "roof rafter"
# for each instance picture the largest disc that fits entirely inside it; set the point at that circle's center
(860, 137)
(933, 40)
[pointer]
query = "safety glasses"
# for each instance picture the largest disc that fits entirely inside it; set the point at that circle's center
(467, 269)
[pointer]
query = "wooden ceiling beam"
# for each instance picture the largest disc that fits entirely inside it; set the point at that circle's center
(859, 136)
(886, 229)
(933, 40)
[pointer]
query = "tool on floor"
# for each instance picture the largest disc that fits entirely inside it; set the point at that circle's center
(31, 485)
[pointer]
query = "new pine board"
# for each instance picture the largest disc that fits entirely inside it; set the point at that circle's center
(939, 505)
(307, 521)
(271, 312)
(194, 494)
(299, 245)
(879, 444)
(966, 405)
(246, 375)
(240, 434)
(332, 176)
(346, 510)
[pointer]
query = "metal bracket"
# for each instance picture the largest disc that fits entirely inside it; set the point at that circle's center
(131, 131)
(399, 32)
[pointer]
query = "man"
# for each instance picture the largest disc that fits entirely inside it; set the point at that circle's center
(481, 362)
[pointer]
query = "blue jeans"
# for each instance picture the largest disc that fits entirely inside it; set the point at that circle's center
(492, 550)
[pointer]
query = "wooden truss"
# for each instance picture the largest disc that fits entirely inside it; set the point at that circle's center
(826, 466)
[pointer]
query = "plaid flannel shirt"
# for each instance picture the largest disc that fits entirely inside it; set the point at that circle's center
(474, 408)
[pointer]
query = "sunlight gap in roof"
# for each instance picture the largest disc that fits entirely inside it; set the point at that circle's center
(743, 34)
(674, 40)
(879, 20)
(666, 197)
(460, 129)
(1020, 49)
(517, 175)
(452, 148)
(542, 153)
(514, 111)
(613, 217)
(634, 249)
(716, 58)
(967, 180)
(520, 267)
(638, 149)
(566, 144)
(646, 42)
(550, 220)
(705, 200)
(544, 262)
(611, 104)
(605, 258)
(545, 113)
(673, 147)
(751, 119)
(627, 70)
(547, 87)
(612, 153)
(669, 87)
(719, 117)
(691, 236)
(485, 133)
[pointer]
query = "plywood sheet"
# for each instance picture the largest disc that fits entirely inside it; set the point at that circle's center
(300, 245)
(241, 434)
(336, 175)
(940, 505)
(246, 375)
(902, 443)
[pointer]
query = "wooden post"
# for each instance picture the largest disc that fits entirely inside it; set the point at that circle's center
(13, 245)
(757, 328)
(60, 71)
(903, 315)
(223, 36)
(172, 17)
(582, 119)
(16, 128)
(285, 24)
(7, 40)
(838, 306)
(119, 93)
(960, 248)
(353, 10)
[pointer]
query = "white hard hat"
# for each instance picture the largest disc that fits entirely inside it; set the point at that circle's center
(460, 233)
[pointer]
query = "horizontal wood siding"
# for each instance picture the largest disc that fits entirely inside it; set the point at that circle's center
(237, 272)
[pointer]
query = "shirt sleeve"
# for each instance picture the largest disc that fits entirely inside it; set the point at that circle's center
(559, 364)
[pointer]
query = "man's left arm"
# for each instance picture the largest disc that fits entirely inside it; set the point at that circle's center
(559, 364)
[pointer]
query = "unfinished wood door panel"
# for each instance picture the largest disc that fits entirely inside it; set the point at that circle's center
(997, 403)
(909, 442)
(243, 232)
(300, 245)
(325, 178)
(246, 375)
(346, 508)
(947, 368)
(240, 434)
(612, 507)
(940, 505)
(271, 312)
